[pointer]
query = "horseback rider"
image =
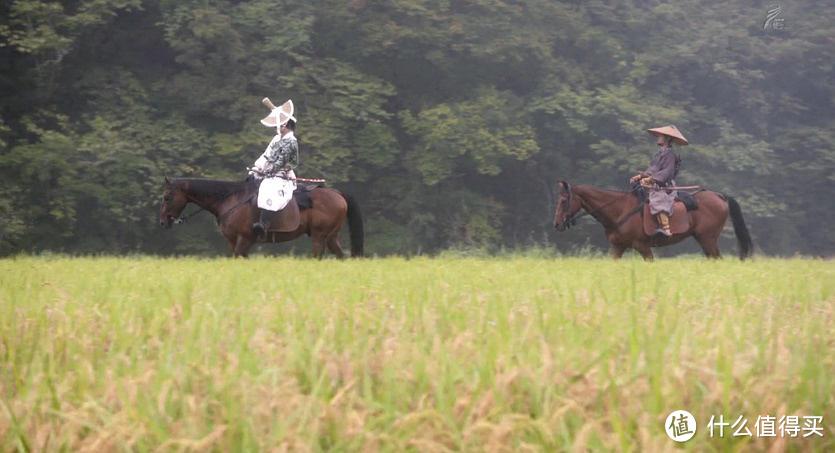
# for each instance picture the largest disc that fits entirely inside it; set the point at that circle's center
(661, 173)
(275, 166)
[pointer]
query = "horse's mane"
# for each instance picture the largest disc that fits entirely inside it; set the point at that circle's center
(214, 187)
(604, 189)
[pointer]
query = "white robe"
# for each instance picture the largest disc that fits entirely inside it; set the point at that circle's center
(274, 193)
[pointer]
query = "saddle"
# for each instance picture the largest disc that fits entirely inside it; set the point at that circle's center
(683, 196)
(688, 199)
(302, 195)
(679, 220)
(286, 220)
(289, 218)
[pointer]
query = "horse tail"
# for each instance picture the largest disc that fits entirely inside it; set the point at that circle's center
(355, 226)
(743, 237)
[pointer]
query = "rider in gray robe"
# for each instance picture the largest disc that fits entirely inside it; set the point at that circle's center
(662, 169)
(661, 173)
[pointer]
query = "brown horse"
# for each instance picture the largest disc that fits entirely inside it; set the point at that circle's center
(232, 204)
(620, 214)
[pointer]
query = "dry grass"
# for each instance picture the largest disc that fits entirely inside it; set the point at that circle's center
(423, 355)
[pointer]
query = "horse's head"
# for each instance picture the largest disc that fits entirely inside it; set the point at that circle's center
(567, 207)
(174, 200)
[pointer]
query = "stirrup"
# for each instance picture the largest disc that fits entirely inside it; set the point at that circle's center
(259, 229)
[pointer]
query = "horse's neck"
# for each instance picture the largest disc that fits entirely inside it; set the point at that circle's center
(209, 203)
(604, 205)
(206, 200)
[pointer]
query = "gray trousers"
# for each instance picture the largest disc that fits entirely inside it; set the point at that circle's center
(661, 201)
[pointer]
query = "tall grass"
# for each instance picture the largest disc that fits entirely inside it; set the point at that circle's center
(423, 354)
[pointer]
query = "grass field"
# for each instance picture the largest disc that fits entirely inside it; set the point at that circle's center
(423, 354)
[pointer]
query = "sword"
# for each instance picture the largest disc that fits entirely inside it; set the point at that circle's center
(310, 180)
(313, 180)
(674, 188)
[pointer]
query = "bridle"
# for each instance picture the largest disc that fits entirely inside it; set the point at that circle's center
(571, 220)
(182, 219)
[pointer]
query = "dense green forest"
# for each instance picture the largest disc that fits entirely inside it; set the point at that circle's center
(449, 120)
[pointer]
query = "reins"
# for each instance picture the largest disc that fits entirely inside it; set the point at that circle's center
(182, 219)
(200, 209)
(572, 220)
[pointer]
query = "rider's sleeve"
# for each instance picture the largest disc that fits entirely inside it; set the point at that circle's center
(663, 167)
(262, 162)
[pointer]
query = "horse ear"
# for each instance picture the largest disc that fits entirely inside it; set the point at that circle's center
(563, 185)
(167, 181)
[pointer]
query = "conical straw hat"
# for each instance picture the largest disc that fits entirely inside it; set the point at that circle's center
(670, 131)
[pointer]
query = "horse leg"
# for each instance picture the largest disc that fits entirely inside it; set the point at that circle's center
(708, 237)
(617, 251)
(318, 246)
(335, 247)
(710, 246)
(644, 249)
(242, 246)
(232, 240)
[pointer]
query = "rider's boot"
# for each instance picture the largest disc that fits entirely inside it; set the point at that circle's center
(664, 221)
(260, 227)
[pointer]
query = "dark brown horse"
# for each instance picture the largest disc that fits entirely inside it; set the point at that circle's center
(232, 205)
(620, 214)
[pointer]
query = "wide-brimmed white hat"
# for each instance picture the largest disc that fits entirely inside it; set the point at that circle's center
(278, 115)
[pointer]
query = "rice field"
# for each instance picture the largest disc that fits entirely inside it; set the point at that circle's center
(425, 354)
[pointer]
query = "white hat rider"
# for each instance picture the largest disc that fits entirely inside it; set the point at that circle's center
(278, 117)
(276, 165)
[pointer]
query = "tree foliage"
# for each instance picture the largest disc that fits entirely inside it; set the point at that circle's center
(449, 120)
